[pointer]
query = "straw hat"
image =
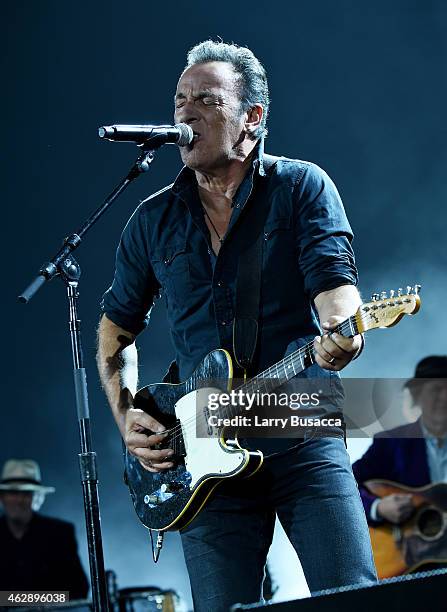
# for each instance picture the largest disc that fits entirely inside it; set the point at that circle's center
(22, 475)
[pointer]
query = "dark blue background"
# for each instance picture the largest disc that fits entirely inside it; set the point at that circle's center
(359, 88)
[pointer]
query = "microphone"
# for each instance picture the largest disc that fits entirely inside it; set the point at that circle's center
(155, 135)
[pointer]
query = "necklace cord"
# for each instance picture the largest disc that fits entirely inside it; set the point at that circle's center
(212, 225)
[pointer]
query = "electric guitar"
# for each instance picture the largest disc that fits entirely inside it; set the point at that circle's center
(170, 499)
(419, 541)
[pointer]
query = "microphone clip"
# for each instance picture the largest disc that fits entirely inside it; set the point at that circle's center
(146, 158)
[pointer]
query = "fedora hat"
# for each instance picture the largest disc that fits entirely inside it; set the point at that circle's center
(22, 475)
(434, 366)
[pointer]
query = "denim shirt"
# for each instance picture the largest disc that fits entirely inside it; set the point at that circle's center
(166, 248)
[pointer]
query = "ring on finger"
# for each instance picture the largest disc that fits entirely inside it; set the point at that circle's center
(331, 361)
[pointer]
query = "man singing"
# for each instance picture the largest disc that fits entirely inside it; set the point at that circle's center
(187, 242)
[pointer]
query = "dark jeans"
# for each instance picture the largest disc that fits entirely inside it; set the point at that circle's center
(312, 490)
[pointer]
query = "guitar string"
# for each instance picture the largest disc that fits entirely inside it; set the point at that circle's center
(186, 425)
(302, 352)
(305, 351)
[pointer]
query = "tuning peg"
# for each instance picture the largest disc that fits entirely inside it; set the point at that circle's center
(392, 292)
(383, 295)
(374, 297)
(399, 292)
(417, 289)
(408, 289)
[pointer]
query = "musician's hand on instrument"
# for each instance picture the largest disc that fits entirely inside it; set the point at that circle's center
(143, 434)
(396, 508)
(334, 351)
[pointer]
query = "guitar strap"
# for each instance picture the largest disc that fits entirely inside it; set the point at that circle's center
(248, 281)
(249, 276)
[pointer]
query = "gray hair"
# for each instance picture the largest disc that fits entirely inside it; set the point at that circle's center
(253, 79)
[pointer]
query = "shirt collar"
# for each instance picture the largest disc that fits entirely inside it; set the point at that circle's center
(425, 431)
(430, 436)
(258, 156)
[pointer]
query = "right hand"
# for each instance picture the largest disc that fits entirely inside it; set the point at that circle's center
(141, 436)
(396, 508)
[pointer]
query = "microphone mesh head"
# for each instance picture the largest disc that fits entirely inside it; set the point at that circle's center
(186, 134)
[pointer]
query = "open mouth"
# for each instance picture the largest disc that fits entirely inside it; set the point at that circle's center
(194, 141)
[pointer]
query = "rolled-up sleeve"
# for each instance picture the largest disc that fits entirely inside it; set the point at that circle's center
(324, 236)
(129, 300)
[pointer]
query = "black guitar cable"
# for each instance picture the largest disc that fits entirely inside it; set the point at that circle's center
(158, 546)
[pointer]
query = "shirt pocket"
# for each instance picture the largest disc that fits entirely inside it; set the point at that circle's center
(279, 261)
(171, 267)
(276, 228)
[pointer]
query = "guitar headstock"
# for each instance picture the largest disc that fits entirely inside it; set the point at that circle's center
(386, 311)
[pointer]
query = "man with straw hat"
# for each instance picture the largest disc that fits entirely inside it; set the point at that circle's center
(37, 553)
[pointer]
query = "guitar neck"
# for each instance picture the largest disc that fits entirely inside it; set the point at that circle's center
(293, 364)
(378, 313)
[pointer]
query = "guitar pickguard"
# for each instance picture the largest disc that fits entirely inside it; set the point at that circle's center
(205, 456)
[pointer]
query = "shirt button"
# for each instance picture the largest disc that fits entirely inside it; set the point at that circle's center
(220, 284)
(223, 322)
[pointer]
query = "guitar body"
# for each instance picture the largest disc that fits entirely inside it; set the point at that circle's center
(169, 500)
(419, 541)
(204, 455)
(388, 556)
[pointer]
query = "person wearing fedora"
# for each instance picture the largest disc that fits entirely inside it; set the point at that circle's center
(37, 553)
(414, 454)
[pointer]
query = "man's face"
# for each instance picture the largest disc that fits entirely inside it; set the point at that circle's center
(17, 505)
(432, 399)
(207, 100)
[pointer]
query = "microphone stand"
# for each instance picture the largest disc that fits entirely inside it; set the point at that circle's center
(64, 265)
